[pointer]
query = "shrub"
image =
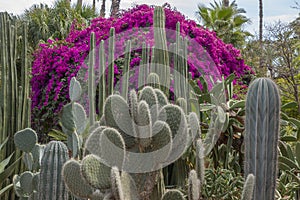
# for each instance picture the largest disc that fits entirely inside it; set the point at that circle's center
(56, 62)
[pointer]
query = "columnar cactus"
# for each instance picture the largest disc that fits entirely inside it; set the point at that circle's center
(51, 184)
(248, 188)
(261, 136)
(15, 104)
(160, 59)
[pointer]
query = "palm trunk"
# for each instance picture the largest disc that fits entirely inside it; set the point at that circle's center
(102, 11)
(79, 4)
(225, 3)
(115, 5)
(94, 5)
(261, 31)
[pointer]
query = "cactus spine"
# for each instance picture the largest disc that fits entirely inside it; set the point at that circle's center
(51, 184)
(261, 138)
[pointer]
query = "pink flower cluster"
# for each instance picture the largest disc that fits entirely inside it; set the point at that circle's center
(56, 62)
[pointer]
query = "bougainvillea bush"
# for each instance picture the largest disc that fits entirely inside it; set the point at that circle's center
(56, 62)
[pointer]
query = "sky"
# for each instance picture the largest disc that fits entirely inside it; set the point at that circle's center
(274, 10)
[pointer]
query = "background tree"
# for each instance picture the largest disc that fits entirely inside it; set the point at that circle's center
(227, 20)
(54, 22)
(114, 9)
(102, 10)
(282, 58)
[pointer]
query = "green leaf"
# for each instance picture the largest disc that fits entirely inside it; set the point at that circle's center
(288, 162)
(57, 135)
(296, 178)
(230, 78)
(288, 138)
(206, 107)
(221, 114)
(4, 163)
(292, 104)
(6, 188)
(283, 166)
(9, 170)
(4, 142)
(239, 104)
(297, 152)
(296, 122)
(284, 116)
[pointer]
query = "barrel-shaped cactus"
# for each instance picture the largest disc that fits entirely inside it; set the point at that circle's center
(51, 184)
(261, 136)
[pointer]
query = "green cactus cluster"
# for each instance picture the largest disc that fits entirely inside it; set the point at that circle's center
(44, 162)
(129, 147)
(15, 104)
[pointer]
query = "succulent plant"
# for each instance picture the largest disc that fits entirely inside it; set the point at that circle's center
(261, 137)
(51, 184)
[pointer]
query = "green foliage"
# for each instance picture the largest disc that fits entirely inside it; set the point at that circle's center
(222, 184)
(54, 22)
(226, 21)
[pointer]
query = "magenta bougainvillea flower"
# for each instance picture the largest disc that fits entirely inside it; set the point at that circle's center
(56, 62)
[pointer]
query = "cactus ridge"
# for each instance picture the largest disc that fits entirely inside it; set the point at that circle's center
(262, 134)
(51, 184)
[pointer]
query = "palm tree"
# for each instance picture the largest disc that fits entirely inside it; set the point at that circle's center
(261, 30)
(226, 21)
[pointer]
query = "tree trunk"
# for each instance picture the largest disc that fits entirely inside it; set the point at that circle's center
(79, 5)
(102, 11)
(225, 3)
(261, 31)
(94, 5)
(114, 9)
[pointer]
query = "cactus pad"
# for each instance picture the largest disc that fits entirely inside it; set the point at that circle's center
(95, 172)
(74, 181)
(25, 139)
(173, 195)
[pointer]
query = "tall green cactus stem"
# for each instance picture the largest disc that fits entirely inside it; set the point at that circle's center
(143, 67)
(248, 188)
(261, 137)
(111, 59)
(193, 186)
(51, 184)
(161, 55)
(200, 167)
(91, 88)
(102, 80)
(125, 78)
